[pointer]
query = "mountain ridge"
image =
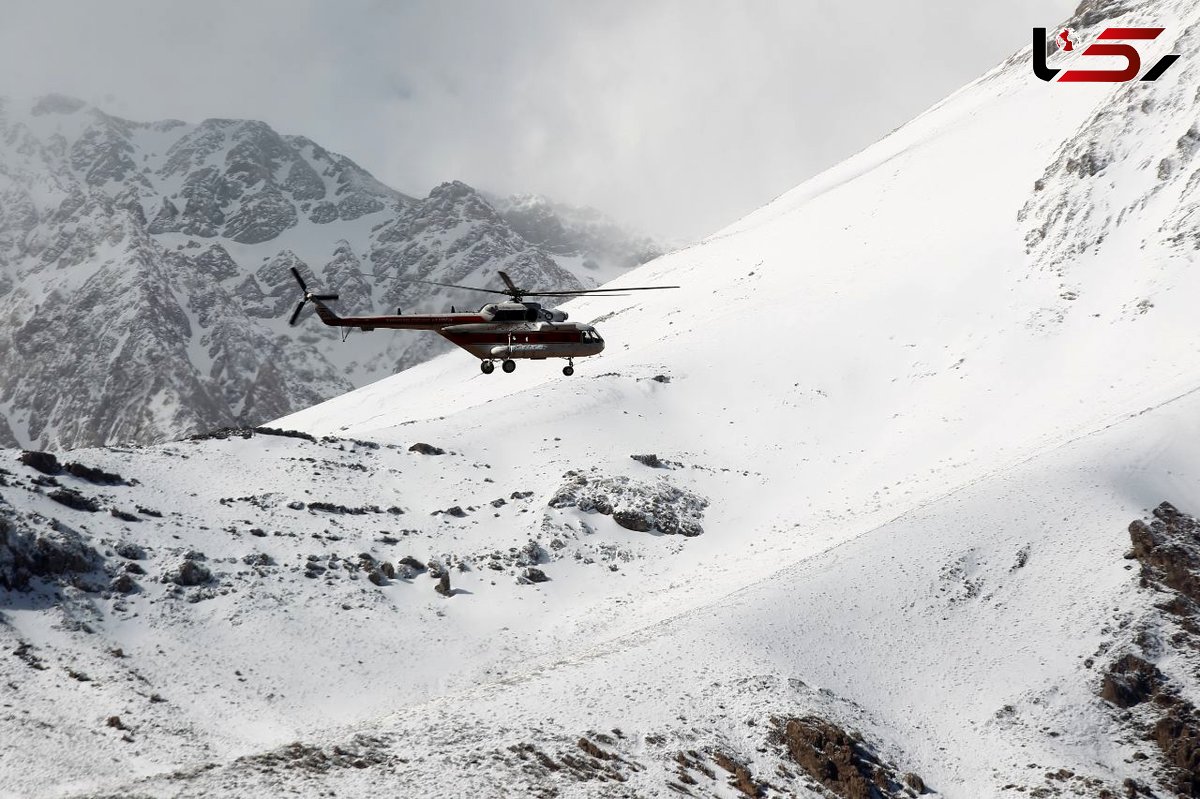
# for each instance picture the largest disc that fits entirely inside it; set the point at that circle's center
(913, 453)
(199, 224)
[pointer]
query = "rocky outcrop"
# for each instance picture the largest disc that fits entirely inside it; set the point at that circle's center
(1149, 140)
(28, 551)
(657, 506)
(1167, 548)
(841, 761)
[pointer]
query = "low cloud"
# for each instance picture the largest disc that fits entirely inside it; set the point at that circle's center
(675, 116)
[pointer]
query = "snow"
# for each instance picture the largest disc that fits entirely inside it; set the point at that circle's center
(920, 460)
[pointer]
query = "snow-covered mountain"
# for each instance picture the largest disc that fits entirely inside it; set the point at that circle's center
(871, 507)
(576, 235)
(144, 271)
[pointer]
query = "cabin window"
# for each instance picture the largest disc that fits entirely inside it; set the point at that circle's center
(511, 316)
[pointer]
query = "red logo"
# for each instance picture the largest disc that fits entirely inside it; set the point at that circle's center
(1110, 42)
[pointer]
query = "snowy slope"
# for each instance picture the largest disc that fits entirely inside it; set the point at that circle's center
(912, 434)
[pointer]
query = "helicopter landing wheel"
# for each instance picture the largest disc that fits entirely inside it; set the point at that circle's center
(568, 370)
(487, 367)
(509, 366)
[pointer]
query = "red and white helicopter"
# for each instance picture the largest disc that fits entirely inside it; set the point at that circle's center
(504, 331)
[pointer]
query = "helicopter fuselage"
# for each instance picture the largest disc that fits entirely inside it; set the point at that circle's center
(533, 332)
(534, 340)
(503, 331)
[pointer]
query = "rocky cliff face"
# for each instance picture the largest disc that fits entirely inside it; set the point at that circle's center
(144, 272)
(1143, 139)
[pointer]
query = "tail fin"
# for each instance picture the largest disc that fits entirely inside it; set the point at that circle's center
(327, 316)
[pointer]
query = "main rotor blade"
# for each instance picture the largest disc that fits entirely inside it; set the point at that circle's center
(323, 297)
(570, 295)
(296, 313)
(512, 287)
(299, 280)
(453, 286)
(566, 293)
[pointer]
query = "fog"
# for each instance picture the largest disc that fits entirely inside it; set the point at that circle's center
(676, 117)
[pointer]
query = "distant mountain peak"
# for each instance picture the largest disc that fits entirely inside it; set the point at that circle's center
(113, 227)
(56, 104)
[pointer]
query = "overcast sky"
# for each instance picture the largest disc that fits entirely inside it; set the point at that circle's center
(677, 116)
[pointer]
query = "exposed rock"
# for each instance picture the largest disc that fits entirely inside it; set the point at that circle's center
(97, 476)
(531, 554)
(1130, 681)
(361, 752)
(1178, 736)
(412, 563)
(24, 653)
(330, 507)
(741, 778)
(913, 781)
(645, 507)
(188, 573)
(592, 749)
(837, 760)
(275, 431)
(44, 462)
(443, 586)
(1090, 12)
(25, 554)
(130, 550)
(1168, 549)
(426, 449)
(652, 460)
(535, 575)
(637, 520)
(73, 499)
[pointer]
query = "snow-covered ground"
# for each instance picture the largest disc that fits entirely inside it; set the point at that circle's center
(909, 436)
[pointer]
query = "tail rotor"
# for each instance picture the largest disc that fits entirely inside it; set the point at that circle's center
(308, 297)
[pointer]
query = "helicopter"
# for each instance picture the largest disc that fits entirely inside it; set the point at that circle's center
(503, 331)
